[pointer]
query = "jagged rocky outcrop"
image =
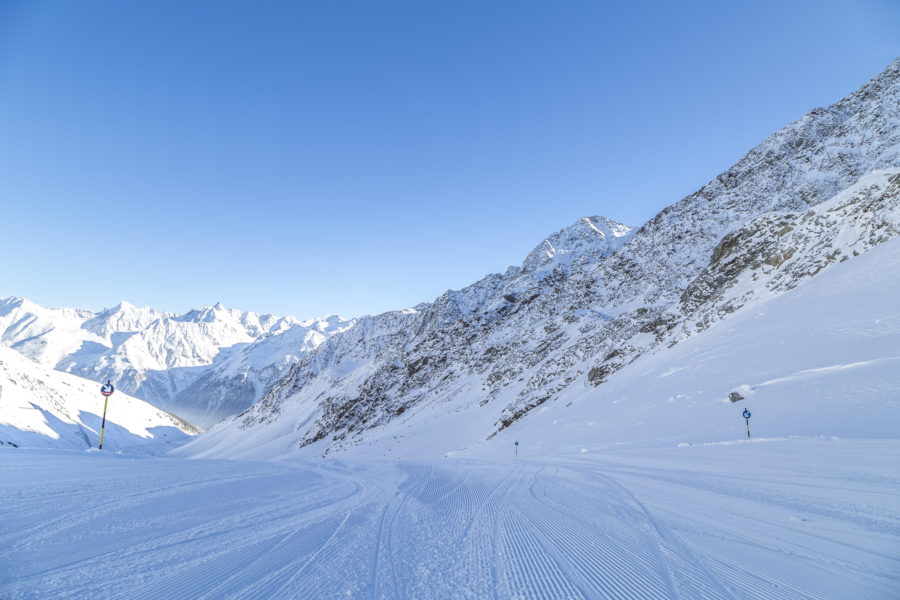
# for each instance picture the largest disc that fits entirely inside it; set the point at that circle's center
(593, 297)
(777, 251)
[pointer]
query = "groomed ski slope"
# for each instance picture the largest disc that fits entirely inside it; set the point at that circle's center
(802, 518)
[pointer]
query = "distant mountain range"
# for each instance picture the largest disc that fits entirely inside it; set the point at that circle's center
(203, 365)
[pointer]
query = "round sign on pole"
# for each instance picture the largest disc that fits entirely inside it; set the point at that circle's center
(746, 414)
(106, 389)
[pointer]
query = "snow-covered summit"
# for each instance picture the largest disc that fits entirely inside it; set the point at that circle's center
(125, 317)
(43, 334)
(588, 238)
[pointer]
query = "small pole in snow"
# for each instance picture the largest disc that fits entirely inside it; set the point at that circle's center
(107, 391)
(747, 418)
(517, 447)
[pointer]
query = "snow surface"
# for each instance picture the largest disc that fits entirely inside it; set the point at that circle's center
(805, 518)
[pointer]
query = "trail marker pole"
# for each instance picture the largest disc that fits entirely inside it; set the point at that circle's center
(747, 419)
(517, 448)
(107, 391)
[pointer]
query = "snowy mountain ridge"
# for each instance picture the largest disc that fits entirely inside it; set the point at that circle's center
(512, 342)
(158, 356)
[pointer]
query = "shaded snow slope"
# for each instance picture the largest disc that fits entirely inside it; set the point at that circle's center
(798, 519)
(161, 357)
(822, 190)
(43, 408)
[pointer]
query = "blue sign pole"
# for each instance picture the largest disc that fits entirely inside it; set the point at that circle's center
(747, 419)
(517, 448)
(107, 391)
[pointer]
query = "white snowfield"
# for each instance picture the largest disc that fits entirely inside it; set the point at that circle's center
(799, 519)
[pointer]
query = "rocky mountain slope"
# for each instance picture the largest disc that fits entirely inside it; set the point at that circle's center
(203, 365)
(584, 305)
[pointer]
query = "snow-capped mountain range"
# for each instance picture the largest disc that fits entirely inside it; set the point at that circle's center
(203, 365)
(598, 296)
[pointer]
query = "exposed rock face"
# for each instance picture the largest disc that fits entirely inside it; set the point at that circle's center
(591, 298)
(777, 251)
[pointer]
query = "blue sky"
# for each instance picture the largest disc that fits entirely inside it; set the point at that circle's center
(356, 157)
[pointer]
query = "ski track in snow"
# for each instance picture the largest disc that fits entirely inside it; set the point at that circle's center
(711, 522)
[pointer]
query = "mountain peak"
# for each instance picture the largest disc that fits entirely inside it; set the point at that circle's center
(613, 232)
(596, 236)
(122, 318)
(11, 303)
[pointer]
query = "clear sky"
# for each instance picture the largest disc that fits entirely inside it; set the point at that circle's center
(310, 158)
